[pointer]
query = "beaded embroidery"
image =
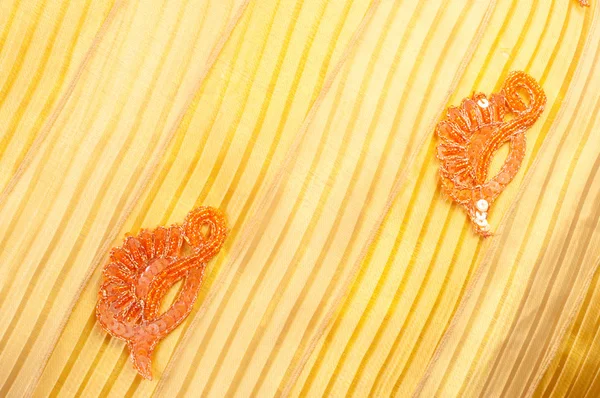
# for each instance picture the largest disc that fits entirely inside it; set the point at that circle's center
(470, 135)
(141, 272)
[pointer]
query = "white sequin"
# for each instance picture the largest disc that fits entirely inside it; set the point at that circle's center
(482, 223)
(482, 205)
(484, 103)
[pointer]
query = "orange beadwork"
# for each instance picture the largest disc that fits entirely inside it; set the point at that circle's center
(472, 133)
(142, 271)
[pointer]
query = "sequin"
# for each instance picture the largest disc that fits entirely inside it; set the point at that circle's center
(482, 205)
(471, 134)
(141, 272)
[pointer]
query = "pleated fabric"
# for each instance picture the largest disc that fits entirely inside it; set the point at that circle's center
(309, 123)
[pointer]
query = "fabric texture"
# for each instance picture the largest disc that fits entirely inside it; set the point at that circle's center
(310, 124)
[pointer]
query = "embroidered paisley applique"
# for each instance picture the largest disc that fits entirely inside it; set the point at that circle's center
(470, 135)
(141, 272)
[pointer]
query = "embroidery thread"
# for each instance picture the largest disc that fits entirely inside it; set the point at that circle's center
(471, 134)
(141, 272)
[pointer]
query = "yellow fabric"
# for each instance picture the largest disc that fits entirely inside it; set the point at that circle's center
(310, 124)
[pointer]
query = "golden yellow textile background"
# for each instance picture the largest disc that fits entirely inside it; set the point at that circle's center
(310, 123)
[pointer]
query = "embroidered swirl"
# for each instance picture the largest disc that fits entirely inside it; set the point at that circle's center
(141, 272)
(471, 134)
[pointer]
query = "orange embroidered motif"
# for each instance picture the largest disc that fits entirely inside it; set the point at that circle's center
(584, 3)
(142, 271)
(472, 133)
